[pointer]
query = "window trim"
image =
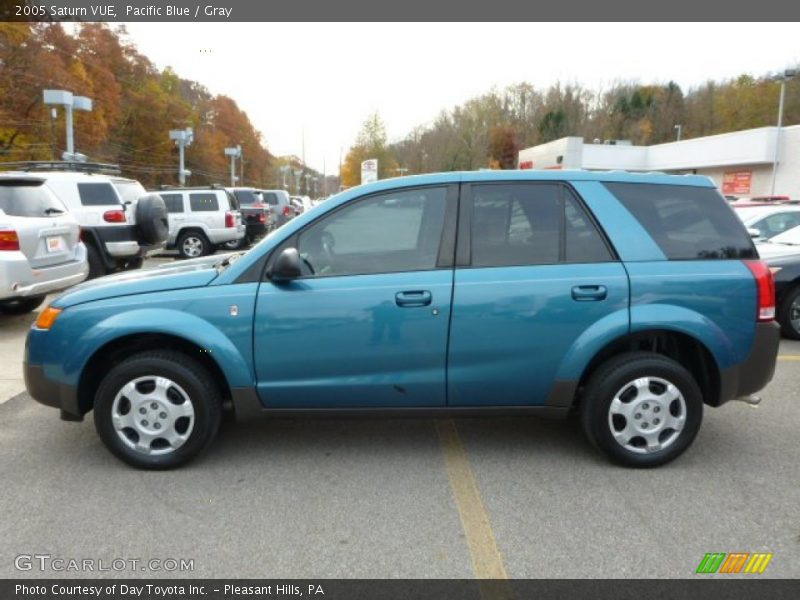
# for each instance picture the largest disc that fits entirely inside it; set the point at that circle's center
(466, 209)
(447, 241)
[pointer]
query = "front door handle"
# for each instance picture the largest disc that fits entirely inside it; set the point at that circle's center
(587, 293)
(413, 298)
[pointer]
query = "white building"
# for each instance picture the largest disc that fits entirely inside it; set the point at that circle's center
(740, 163)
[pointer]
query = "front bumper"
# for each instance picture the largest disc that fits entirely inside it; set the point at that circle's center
(757, 370)
(51, 393)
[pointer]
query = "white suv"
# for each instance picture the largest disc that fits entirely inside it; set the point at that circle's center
(201, 218)
(40, 247)
(118, 233)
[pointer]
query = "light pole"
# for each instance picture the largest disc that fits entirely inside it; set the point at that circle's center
(70, 103)
(787, 74)
(298, 174)
(284, 170)
(679, 129)
(182, 138)
(234, 153)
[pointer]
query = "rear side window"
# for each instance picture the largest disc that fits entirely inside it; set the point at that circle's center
(174, 202)
(270, 198)
(532, 224)
(687, 223)
(203, 202)
(130, 191)
(28, 199)
(98, 194)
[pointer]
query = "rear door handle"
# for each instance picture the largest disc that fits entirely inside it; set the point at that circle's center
(587, 293)
(413, 298)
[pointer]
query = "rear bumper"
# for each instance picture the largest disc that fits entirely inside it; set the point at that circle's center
(757, 370)
(19, 280)
(50, 392)
(229, 234)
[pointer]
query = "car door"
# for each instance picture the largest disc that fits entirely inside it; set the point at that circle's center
(367, 323)
(533, 273)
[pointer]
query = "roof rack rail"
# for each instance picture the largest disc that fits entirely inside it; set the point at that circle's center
(212, 186)
(62, 165)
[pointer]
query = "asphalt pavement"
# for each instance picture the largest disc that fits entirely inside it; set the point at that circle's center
(417, 498)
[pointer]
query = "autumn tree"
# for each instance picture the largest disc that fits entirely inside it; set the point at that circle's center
(371, 143)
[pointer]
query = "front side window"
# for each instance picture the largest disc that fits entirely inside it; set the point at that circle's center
(531, 224)
(203, 202)
(388, 233)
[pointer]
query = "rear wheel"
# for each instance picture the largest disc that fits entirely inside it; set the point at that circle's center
(21, 306)
(193, 244)
(157, 410)
(642, 409)
(96, 266)
(789, 314)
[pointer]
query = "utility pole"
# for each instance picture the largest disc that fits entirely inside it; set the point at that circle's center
(679, 128)
(182, 138)
(787, 74)
(234, 153)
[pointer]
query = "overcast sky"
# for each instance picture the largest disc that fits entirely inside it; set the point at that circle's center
(326, 78)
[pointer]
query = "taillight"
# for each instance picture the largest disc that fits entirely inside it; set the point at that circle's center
(9, 240)
(262, 217)
(287, 211)
(229, 221)
(765, 285)
(114, 216)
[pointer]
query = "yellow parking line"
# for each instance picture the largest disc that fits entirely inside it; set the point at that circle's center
(789, 357)
(487, 563)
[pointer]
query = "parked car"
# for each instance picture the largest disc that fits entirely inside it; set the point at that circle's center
(40, 247)
(783, 244)
(765, 222)
(631, 299)
(201, 219)
(118, 234)
(256, 215)
(786, 270)
(281, 205)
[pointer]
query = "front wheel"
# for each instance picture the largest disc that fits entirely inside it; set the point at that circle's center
(642, 409)
(157, 410)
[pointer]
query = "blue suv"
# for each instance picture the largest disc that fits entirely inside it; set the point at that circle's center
(631, 299)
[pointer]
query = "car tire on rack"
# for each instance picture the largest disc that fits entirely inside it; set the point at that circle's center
(157, 410)
(151, 219)
(641, 409)
(193, 244)
(789, 314)
(21, 306)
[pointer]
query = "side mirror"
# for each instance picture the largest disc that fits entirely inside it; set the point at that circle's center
(287, 266)
(753, 233)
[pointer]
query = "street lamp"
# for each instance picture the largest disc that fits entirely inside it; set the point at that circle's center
(787, 74)
(284, 170)
(70, 103)
(234, 153)
(182, 138)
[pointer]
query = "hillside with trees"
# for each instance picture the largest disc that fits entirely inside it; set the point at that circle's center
(135, 107)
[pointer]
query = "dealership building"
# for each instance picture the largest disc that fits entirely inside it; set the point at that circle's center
(740, 163)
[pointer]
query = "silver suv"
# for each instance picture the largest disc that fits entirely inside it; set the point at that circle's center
(281, 205)
(200, 219)
(40, 246)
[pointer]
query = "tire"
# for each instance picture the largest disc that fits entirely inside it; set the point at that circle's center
(134, 263)
(234, 244)
(96, 266)
(790, 307)
(612, 392)
(179, 419)
(193, 244)
(21, 306)
(151, 220)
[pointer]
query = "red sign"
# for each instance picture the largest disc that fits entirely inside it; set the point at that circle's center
(526, 164)
(736, 182)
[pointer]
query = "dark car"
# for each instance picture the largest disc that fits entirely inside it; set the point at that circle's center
(786, 271)
(256, 215)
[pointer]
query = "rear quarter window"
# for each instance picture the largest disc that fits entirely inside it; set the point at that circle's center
(687, 223)
(98, 194)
